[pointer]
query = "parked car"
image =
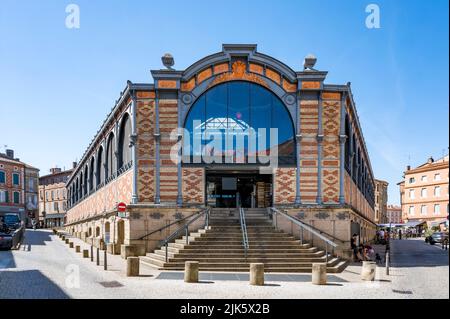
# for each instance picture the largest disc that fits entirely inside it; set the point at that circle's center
(438, 237)
(11, 231)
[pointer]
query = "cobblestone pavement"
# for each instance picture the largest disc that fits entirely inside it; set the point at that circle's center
(44, 267)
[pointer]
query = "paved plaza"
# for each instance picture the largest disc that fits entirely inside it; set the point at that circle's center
(45, 267)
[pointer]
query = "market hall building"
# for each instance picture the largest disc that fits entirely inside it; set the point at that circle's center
(159, 152)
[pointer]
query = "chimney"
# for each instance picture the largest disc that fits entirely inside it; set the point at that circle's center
(431, 160)
(74, 164)
(10, 153)
(408, 167)
(55, 170)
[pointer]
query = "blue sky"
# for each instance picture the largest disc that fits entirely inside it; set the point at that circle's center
(57, 85)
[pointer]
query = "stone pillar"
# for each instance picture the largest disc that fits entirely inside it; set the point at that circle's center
(319, 152)
(319, 274)
(77, 248)
(85, 253)
(257, 274)
(157, 137)
(298, 138)
(132, 266)
(133, 142)
(191, 271)
(342, 140)
(368, 270)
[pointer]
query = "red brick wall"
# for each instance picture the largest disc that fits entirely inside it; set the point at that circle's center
(145, 121)
(330, 149)
(309, 125)
(193, 185)
(168, 121)
(284, 186)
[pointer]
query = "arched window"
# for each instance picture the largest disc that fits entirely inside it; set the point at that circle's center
(97, 231)
(80, 186)
(124, 142)
(77, 196)
(91, 174)
(234, 120)
(100, 172)
(347, 143)
(110, 154)
(85, 182)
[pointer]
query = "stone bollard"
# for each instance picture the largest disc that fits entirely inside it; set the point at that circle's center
(77, 248)
(70, 244)
(319, 274)
(85, 253)
(191, 271)
(63, 237)
(257, 274)
(67, 241)
(368, 270)
(132, 266)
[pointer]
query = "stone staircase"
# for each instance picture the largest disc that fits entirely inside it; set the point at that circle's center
(219, 247)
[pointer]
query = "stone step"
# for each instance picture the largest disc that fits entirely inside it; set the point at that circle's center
(239, 254)
(265, 259)
(231, 265)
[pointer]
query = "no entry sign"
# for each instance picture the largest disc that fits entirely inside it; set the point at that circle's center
(121, 207)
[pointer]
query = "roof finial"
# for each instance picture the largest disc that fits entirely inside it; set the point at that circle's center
(309, 62)
(168, 61)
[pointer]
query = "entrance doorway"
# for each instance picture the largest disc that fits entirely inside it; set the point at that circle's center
(226, 189)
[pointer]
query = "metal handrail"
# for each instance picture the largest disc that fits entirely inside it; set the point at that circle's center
(185, 227)
(308, 228)
(244, 230)
(167, 226)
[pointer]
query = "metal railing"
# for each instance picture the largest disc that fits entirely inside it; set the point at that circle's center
(303, 227)
(244, 230)
(185, 228)
(167, 226)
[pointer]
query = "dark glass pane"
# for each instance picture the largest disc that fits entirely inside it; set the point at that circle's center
(195, 118)
(215, 125)
(233, 111)
(238, 119)
(260, 114)
(282, 121)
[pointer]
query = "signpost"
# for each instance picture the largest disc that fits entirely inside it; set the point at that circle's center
(122, 210)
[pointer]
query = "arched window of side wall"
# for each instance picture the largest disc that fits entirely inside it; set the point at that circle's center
(91, 174)
(110, 156)
(124, 142)
(80, 186)
(85, 182)
(100, 172)
(347, 143)
(76, 190)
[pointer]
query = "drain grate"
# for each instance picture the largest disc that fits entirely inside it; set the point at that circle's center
(403, 292)
(111, 284)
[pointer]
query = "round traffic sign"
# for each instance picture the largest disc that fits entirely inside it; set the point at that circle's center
(121, 207)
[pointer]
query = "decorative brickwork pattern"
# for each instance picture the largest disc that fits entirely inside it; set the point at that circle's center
(168, 122)
(146, 150)
(105, 199)
(356, 199)
(309, 124)
(330, 160)
(193, 185)
(284, 188)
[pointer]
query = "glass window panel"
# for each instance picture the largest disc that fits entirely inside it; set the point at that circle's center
(238, 118)
(261, 113)
(232, 111)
